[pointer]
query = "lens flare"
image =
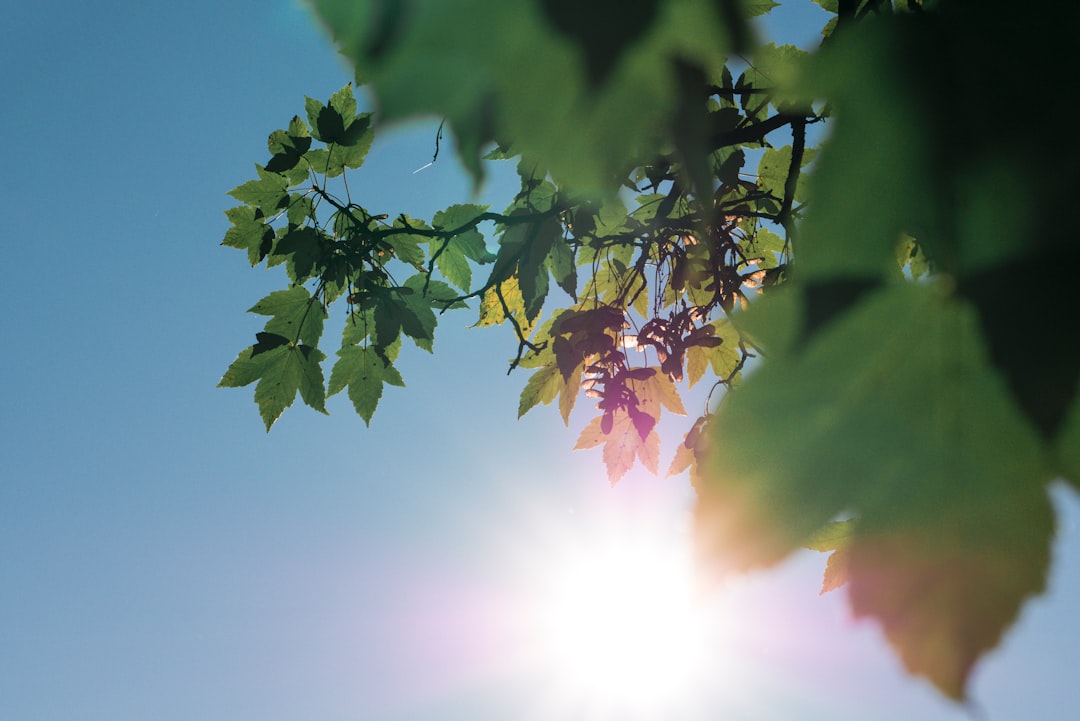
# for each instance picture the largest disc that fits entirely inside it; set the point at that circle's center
(619, 624)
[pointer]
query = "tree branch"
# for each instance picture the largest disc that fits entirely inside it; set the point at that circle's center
(753, 133)
(798, 147)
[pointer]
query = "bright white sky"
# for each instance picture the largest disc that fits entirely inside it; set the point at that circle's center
(163, 559)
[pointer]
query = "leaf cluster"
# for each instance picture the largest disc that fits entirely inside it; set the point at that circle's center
(901, 293)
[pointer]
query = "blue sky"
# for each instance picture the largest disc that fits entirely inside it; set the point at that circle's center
(162, 558)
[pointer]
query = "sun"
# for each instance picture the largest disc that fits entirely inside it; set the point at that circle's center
(620, 624)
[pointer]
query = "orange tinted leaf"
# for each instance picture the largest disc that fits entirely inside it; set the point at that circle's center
(836, 570)
(621, 446)
(945, 591)
(683, 459)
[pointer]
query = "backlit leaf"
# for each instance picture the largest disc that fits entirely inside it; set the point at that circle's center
(281, 372)
(296, 315)
(656, 391)
(831, 429)
(505, 69)
(266, 193)
(543, 387)
(561, 263)
(458, 216)
(622, 445)
(364, 372)
(249, 232)
(491, 308)
(452, 263)
(765, 247)
(400, 311)
(304, 246)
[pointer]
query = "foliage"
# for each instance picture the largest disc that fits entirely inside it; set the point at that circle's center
(915, 391)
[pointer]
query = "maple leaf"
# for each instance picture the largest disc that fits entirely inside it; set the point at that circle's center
(365, 372)
(949, 541)
(281, 369)
(622, 444)
(945, 589)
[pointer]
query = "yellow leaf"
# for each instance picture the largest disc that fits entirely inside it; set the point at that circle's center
(661, 390)
(684, 458)
(491, 308)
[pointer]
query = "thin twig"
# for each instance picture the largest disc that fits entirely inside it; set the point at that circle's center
(438, 137)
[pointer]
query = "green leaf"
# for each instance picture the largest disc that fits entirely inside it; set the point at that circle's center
(336, 123)
(267, 342)
(504, 70)
(473, 246)
(301, 209)
(726, 357)
(288, 370)
(511, 247)
(452, 263)
(773, 172)
(249, 232)
(296, 315)
(754, 8)
(764, 247)
(286, 149)
(466, 244)
(602, 38)
(611, 218)
(358, 136)
(772, 323)
(407, 250)
(560, 262)
(439, 295)
(313, 107)
(426, 296)
(329, 125)
(365, 372)
(882, 142)
(728, 164)
(832, 536)
(267, 193)
(246, 369)
(774, 67)
(344, 103)
(297, 129)
(359, 325)
(304, 247)
(961, 524)
(404, 310)
(281, 371)
(533, 281)
(458, 216)
(543, 387)
(333, 161)
(910, 256)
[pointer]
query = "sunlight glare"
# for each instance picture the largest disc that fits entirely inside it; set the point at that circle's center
(621, 624)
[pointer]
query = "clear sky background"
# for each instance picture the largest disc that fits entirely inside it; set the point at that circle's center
(162, 558)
